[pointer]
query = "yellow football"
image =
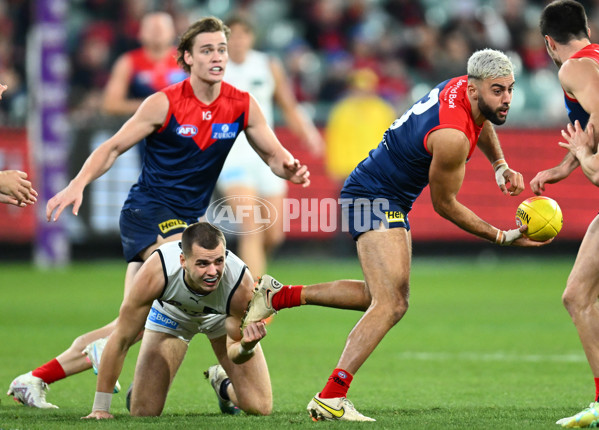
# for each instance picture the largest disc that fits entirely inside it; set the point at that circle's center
(543, 217)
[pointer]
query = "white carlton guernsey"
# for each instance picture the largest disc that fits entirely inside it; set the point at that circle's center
(243, 165)
(254, 76)
(179, 300)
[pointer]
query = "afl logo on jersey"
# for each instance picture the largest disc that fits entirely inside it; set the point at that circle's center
(187, 130)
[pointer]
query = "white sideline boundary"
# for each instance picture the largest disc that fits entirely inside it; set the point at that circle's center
(495, 356)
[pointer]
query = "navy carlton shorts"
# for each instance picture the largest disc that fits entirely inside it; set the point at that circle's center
(361, 214)
(140, 227)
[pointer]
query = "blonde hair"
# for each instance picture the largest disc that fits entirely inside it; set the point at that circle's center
(489, 63)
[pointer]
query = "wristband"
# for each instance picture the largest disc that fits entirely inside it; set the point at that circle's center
(500, 237)
(500, 166)
(497, 163)
(102, 401)
(243, 351)
(506, 238)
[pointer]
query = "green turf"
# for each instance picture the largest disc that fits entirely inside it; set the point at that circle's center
(485, 344)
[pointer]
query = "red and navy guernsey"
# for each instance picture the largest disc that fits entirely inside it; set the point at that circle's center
(185, 156)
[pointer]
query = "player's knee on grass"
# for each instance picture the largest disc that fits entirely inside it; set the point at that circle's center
(255, 401)
(146, 409)
(256, 407)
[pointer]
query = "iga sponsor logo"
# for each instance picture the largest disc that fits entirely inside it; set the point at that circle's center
(187, 130)
(228, 213)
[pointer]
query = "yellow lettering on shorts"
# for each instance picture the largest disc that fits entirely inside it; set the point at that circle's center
(395, 216)
(171, 224)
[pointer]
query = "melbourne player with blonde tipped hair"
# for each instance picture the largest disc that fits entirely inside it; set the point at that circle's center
(429, 145)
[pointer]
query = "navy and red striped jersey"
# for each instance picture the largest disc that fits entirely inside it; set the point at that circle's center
(398, 168)
(185, 156)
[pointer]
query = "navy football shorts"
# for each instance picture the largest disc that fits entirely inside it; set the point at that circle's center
(360, 214)
(141, 226)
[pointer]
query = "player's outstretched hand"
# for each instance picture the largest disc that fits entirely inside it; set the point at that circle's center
(549, 176)
(297, 173)
(15, 189)
(2, 89)
(578, 141)
(99, 415)
(71, 195)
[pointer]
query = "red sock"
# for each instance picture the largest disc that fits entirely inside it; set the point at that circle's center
(50, 372)
(290, 296)
(337, 385)
(596, 389)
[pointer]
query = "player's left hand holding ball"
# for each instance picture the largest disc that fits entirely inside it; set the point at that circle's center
(515, 237)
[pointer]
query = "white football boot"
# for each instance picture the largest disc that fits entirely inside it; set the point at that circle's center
(94, 354)
(30, 391)
(260, 306)
(335, 409)
(216, 374)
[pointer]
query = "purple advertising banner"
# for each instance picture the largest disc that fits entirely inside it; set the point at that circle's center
(48, 128)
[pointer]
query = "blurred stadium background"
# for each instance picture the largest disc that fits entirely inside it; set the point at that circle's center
(55, 56)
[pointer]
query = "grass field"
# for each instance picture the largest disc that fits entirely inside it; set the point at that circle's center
(485, 344)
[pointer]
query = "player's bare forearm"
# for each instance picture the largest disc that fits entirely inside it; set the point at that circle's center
(464, 218)
(554, 175)
(488, 143)
(113, 358)
(589, 163)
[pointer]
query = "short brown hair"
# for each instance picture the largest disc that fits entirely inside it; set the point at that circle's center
(203, 234)
(210, 24)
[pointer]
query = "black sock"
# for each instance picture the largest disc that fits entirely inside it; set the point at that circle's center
(223, 389)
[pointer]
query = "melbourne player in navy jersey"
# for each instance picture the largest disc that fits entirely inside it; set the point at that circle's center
(190, 128)
(430, 144)
(404, 144)
(567, 38)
